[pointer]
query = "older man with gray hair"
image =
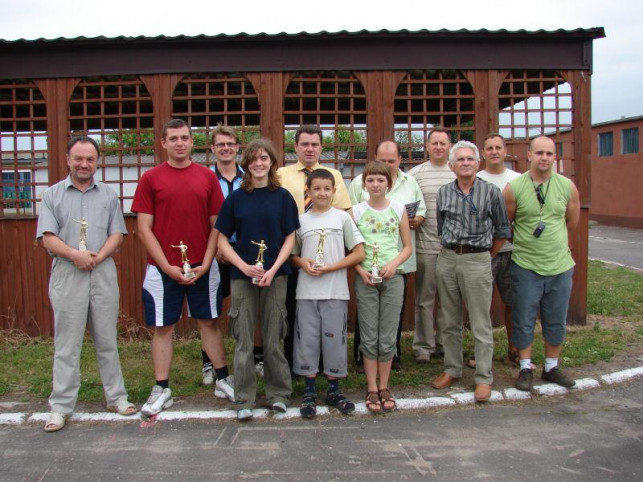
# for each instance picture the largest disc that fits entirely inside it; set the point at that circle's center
(473, 225)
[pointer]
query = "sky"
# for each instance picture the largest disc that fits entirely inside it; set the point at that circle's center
(618, 58)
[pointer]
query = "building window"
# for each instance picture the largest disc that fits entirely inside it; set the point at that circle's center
(16, 189)
(630, 141)
(606, 144)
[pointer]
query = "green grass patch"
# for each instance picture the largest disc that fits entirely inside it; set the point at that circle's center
(614, 291)
(25, 363)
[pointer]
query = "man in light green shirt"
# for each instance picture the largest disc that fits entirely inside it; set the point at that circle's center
(543, 206)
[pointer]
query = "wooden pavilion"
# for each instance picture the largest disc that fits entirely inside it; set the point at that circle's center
(361, 87)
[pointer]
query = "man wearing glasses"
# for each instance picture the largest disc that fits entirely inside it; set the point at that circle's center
(473, 225)
(543, 206)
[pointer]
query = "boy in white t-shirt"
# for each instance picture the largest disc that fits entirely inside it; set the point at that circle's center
(322, 292)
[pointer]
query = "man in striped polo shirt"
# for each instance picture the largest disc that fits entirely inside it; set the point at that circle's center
(473, 225)
(430, 177)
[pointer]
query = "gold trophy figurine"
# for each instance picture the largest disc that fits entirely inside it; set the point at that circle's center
(259, 262)
(184, 259)
(375, 269)
(82, 242)
(319, 256)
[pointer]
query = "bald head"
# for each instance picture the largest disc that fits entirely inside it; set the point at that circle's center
(388, 152)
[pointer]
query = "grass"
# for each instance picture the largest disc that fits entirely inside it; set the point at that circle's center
(615, 294)
(614, 291)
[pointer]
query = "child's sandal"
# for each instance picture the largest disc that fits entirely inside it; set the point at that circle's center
(373, 403)
(387, 400)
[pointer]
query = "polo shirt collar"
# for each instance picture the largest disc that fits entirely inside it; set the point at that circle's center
(69, 183)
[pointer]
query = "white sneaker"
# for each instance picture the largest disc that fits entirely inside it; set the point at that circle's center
(259, 369)
(208, 374)
(279, 407)
(244, 414)
(160, 399)
(225, 388)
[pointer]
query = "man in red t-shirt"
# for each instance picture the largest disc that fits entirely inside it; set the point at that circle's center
(177, 203)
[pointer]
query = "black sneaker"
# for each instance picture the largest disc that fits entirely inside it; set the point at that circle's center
(308, 407)
(556, 376)
(340, 402)
(525, 380)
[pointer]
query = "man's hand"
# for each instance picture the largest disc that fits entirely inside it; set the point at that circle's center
(84, 260)
(177, 275)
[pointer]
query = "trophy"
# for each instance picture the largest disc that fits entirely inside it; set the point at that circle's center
(319, 256)
(82, 242)
(259, 262)
(184, 259)
(375, 269)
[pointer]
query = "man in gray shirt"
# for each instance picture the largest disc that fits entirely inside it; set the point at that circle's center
(82, 226)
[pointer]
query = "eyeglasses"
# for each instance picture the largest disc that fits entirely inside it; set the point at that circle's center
(221, 145)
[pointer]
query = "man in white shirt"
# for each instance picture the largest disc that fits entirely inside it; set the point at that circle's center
(494, 153)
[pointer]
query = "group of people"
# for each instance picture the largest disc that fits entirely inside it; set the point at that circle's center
(280, 241)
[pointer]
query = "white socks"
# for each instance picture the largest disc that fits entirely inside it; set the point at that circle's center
(525, 363)
(550, 363)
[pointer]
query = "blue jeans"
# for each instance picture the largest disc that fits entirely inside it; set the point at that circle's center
(532, 292)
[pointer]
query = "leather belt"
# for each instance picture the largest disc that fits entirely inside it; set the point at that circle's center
(466, 249)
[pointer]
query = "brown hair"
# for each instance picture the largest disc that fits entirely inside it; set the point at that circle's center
(493, 135)
(438, 129)
(174, 124)
(249, 155)
(309, 129)
(221, 130)
(377, 168)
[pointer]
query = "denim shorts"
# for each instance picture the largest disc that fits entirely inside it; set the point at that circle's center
(533, 292)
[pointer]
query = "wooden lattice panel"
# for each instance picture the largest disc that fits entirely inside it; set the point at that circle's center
(337, 103)
(533, 103)
(23, 148)
(205, 100)
(118, 113)
(429, 98)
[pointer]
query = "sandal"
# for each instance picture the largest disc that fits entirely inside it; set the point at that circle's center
(340, 402)
(387, 398)
(308, 407)
(123, 407)
(373, 403)
(55, 422)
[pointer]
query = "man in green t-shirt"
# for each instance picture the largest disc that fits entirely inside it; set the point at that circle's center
(543, 206)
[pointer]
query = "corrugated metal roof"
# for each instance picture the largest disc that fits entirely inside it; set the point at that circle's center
(618, 121)
(592, 33)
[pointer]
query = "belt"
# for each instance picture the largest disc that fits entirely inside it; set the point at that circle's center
(465, 249)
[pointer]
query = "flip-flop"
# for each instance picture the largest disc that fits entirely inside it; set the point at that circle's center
(123, 407)
(55, 422)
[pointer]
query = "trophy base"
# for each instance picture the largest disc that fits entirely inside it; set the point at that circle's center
(189, 275)
(376, 279)
(255, 281)
(82, 247)
(318, 265)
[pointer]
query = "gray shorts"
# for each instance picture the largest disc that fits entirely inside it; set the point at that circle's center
(500, 268)
(321, 326)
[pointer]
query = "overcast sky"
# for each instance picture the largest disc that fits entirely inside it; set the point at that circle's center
(618, 59)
